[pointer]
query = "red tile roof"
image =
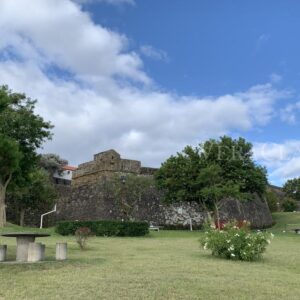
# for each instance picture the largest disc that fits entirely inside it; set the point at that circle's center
(69, 168)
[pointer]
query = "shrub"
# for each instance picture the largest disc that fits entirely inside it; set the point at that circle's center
(236, 243)
(272, 200)
(104, 227)
(82, 235)
(289, 205)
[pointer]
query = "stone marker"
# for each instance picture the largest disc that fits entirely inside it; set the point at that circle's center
(61, 251)
(35, 252)
(3, 250)
(43, 251)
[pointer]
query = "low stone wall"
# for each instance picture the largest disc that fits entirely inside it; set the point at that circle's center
(183, 213)
(95, 201)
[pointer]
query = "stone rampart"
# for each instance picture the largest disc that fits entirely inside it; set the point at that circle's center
(95, 201)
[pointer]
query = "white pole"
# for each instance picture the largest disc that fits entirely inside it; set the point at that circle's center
(191, 225)
(47, 213)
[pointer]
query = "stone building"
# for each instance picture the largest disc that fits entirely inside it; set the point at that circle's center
(105, 164)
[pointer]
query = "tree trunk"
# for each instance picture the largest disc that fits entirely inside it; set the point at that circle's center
(217, 216)
(209, 218)
(2, 205)
(22, 215)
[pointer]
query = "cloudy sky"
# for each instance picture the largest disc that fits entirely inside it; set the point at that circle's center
(148, 77)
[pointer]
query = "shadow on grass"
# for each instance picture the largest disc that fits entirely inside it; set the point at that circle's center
(48, 264)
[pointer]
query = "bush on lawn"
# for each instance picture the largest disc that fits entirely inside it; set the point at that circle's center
(289, 205)
(82, 234)
(104, 228)
(236, 243)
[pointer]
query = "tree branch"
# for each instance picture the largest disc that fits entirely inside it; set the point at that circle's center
(7, 180)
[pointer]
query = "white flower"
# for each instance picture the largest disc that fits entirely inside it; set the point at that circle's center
(232, 255)
(205, 246)
(236, 234)
(228, 241)
(272, 235)
(268, 241)
(249, 245)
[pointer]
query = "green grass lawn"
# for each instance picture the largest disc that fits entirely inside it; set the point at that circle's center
(282, 219)
(164, 265)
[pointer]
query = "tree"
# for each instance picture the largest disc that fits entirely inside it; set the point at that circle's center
(10, 157)
(178, 175)
(23, 131)
(52, 163)
(234, 156)
(37, 193)
(292, 188)
(215, 169)
(272, 200)
(214, 189)
(289, 204)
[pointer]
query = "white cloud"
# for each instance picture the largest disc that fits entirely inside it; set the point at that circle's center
(275, 78)
(58, 32)
(153, 53)
(282, 159)
(111, 2)
(92, 108)
(289, 113)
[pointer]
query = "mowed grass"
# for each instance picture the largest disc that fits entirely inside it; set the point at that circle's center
(164, 265)
(286, 221)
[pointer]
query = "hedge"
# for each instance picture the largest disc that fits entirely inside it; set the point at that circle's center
(104, 227)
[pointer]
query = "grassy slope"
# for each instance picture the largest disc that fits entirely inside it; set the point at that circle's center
(282, 219)
(165, 265)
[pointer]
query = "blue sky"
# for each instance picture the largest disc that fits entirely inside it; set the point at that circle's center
(214, 47)
(149, 77)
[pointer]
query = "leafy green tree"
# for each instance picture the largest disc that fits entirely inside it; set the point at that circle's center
(272, 200)
(10, 157)
(292, 188)
(234, 156)
(214, 189)
(52, 163)
(289, 204)
(36, 193)
(178, 176)
(215, 169)
(23, 131)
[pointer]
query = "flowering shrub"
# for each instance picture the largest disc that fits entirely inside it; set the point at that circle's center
(236, 243)
(82, 235)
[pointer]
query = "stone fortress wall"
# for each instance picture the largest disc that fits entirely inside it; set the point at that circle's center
(105, 164)
(88, 198)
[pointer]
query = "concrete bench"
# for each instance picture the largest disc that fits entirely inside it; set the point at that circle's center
(155, 228)
(3, 251)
